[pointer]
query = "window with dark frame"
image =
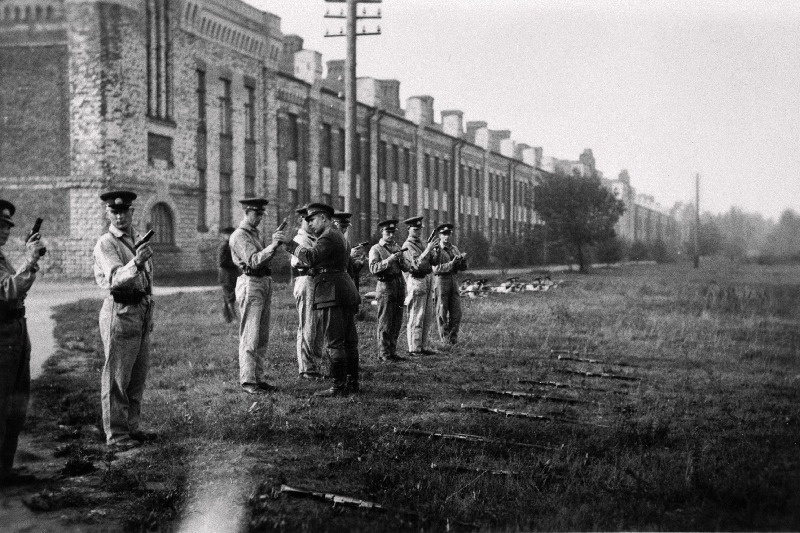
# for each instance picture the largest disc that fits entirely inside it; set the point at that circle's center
(292, 142)
(325, 146)
(162, 225)
(158, 48)
(249, 114)
(225, 108)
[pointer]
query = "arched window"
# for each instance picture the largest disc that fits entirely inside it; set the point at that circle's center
(161, 223)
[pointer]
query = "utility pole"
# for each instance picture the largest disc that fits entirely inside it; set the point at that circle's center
(697, 221)
(350, 121)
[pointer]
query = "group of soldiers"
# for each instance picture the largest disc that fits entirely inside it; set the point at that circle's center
(325, 272)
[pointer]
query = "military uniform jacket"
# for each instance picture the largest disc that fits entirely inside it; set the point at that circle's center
(305, 240)
(418, 268)
(380, 265)
(14, 285)
(331, 285)
(249, 252)
(444, 259)
(114, 268)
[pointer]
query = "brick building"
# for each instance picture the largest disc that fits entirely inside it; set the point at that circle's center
(194, 104)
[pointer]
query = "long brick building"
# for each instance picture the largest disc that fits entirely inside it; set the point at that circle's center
(196, 103)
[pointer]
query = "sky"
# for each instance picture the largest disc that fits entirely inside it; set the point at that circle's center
(664, 89)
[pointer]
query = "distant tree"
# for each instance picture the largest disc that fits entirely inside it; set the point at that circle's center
(476, 246)
(610, 250)
(579, 210)
(784, 240)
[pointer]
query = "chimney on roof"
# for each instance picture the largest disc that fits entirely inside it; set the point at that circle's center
(507, 147)
(519, 149)
(419, 110)
(472, 127)
(453, 123)
(495, 136)
(383, 94)
(482, 136)
(291, 44)
(308, 66)
(335, 70)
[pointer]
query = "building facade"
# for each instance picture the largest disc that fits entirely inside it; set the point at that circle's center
(195, 104)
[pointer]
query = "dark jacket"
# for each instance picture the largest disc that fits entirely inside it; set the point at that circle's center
(328, 258)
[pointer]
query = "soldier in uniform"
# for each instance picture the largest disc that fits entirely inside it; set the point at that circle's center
(357, 257)
(419, 288)
(227, 272)
(310, 334)
(15, 349)
(253, 293)
(387, 263)
(335, 297)
(126, 320)
(447, 260)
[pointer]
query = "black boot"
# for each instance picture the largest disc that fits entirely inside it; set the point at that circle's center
(339, 375)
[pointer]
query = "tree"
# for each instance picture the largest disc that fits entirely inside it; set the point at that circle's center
(579, 210)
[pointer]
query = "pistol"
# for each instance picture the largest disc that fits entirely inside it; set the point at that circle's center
(362, 244)
(145, 239)
(34, 230)
(283, 224)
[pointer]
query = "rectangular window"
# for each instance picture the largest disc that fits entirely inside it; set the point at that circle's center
(201, 200)
(159, 147)
(225, 200)
(382, 160)
(201, 100)
(249, 115)
(158, 48)
(225, 108)
(437, 184)
(407, 165)
(395, 164)
(325, 146)
(292, 142)
(340, 162)
(427, 170)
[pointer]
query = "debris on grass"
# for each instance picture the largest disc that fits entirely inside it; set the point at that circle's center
(472, 469)
(597, 374)
(470, 438)
(533, 416)
(529, 395)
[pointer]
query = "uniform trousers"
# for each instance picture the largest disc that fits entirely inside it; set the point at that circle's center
(15, 385)
(254, 296)
(227, 280)
(341, 340)
(310, 330)
(125, 332)
(448, 307)
(390, 296)
(419, 302)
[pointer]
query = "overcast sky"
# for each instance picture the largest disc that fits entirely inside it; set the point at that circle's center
(662, 89)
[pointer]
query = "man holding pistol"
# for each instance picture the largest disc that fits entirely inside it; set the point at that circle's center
(419, 288)
(253, 294)
(335, 297)
(125, 321)
(448, 261)
(387, 263)
(15, 349)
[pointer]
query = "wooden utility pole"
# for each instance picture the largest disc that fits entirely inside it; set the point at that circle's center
(697, 221)
(351, 118)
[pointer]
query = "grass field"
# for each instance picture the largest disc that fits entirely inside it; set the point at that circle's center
(706, 438)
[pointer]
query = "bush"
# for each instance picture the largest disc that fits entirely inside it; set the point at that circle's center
(639, 251)
(476, 246)
(610, 250)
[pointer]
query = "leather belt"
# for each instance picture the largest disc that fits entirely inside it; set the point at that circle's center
(387, 279)
(418, 276)
(9, 315)
(445, 274)
(128, 298)
(324, 270)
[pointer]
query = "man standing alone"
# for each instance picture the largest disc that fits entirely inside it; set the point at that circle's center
(387, 263)
(126, 320)
(15, 351)
(419, 288)
(253, 294)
